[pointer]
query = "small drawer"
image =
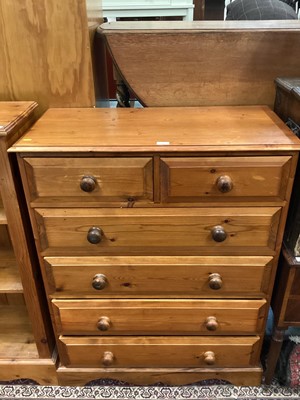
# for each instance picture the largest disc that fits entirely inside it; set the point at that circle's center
(162, 351)
(82, 181)
(231, 178)
(162, 276)
(159, 317)
(158, 231)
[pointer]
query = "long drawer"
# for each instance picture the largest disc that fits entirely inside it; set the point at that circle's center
(200, 178)
(158, 317)
(146, 231)
(147, 352)
(158, 276)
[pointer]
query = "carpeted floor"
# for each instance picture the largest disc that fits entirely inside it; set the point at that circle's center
(221, 392)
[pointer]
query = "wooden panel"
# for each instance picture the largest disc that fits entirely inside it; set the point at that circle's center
(153, 317)
(169, 376)
(10, 281)
(18, 226)
(3, 220)
(159, 276)
(42, 371)
(156, 230)
(159, 130)
(12, 299)
(295, 288)
(16, 339)
(207, 63)
(5, 242)
(292, 316)
(253, 177)
(115, 179)
(287, 100)
(15, 118)
(159, 352)
(45, 53)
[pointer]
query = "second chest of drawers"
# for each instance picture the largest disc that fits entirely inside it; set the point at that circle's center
(158, 237)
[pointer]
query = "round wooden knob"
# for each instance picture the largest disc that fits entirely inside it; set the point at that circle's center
(103, 324)
(209, 358)
(88, 183)
(94, 235)
(215, 281)
(99, 281)
(108, 358)
(218, 233)
(224, 183)
(211, 323)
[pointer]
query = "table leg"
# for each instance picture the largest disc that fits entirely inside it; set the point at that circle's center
(122, 92)
(273, 354)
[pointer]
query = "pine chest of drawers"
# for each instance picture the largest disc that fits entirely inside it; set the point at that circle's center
(158, 232)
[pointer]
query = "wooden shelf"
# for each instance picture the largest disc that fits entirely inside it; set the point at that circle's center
(16, 338)
(3, 220)
(10, 281)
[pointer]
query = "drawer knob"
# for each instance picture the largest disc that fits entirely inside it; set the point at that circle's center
(103, 324)
(218, 233)
(211, 323)
(87, 183)
(94, 235)
(215, 281)
(209, 358)
(224, 184)
(99, 282)
(108, 358)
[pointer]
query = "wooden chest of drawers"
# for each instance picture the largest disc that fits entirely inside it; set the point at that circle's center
(158, 232)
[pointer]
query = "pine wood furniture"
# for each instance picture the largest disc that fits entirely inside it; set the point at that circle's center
(26, 338)
(205, 62)
(158, 232)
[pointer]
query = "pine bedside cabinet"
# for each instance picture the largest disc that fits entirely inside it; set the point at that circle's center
(158, 232)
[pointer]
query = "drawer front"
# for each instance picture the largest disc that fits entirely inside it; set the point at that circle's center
(161, 276)
(88, 180)
(252, 178)
(157, 317)
(197, 230)
(158, 352)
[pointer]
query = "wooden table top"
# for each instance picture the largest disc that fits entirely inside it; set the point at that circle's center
(212, 129)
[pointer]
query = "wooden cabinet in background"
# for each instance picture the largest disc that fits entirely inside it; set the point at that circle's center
(158, 232)
(26, 338)
(286, 294)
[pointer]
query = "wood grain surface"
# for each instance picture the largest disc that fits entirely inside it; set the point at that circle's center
(158, 276)
(45, 53)
(204, 63)
(161, 129)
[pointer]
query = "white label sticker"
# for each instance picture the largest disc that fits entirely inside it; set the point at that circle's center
(162, 143)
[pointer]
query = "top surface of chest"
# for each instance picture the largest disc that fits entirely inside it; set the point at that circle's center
(209, 129)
